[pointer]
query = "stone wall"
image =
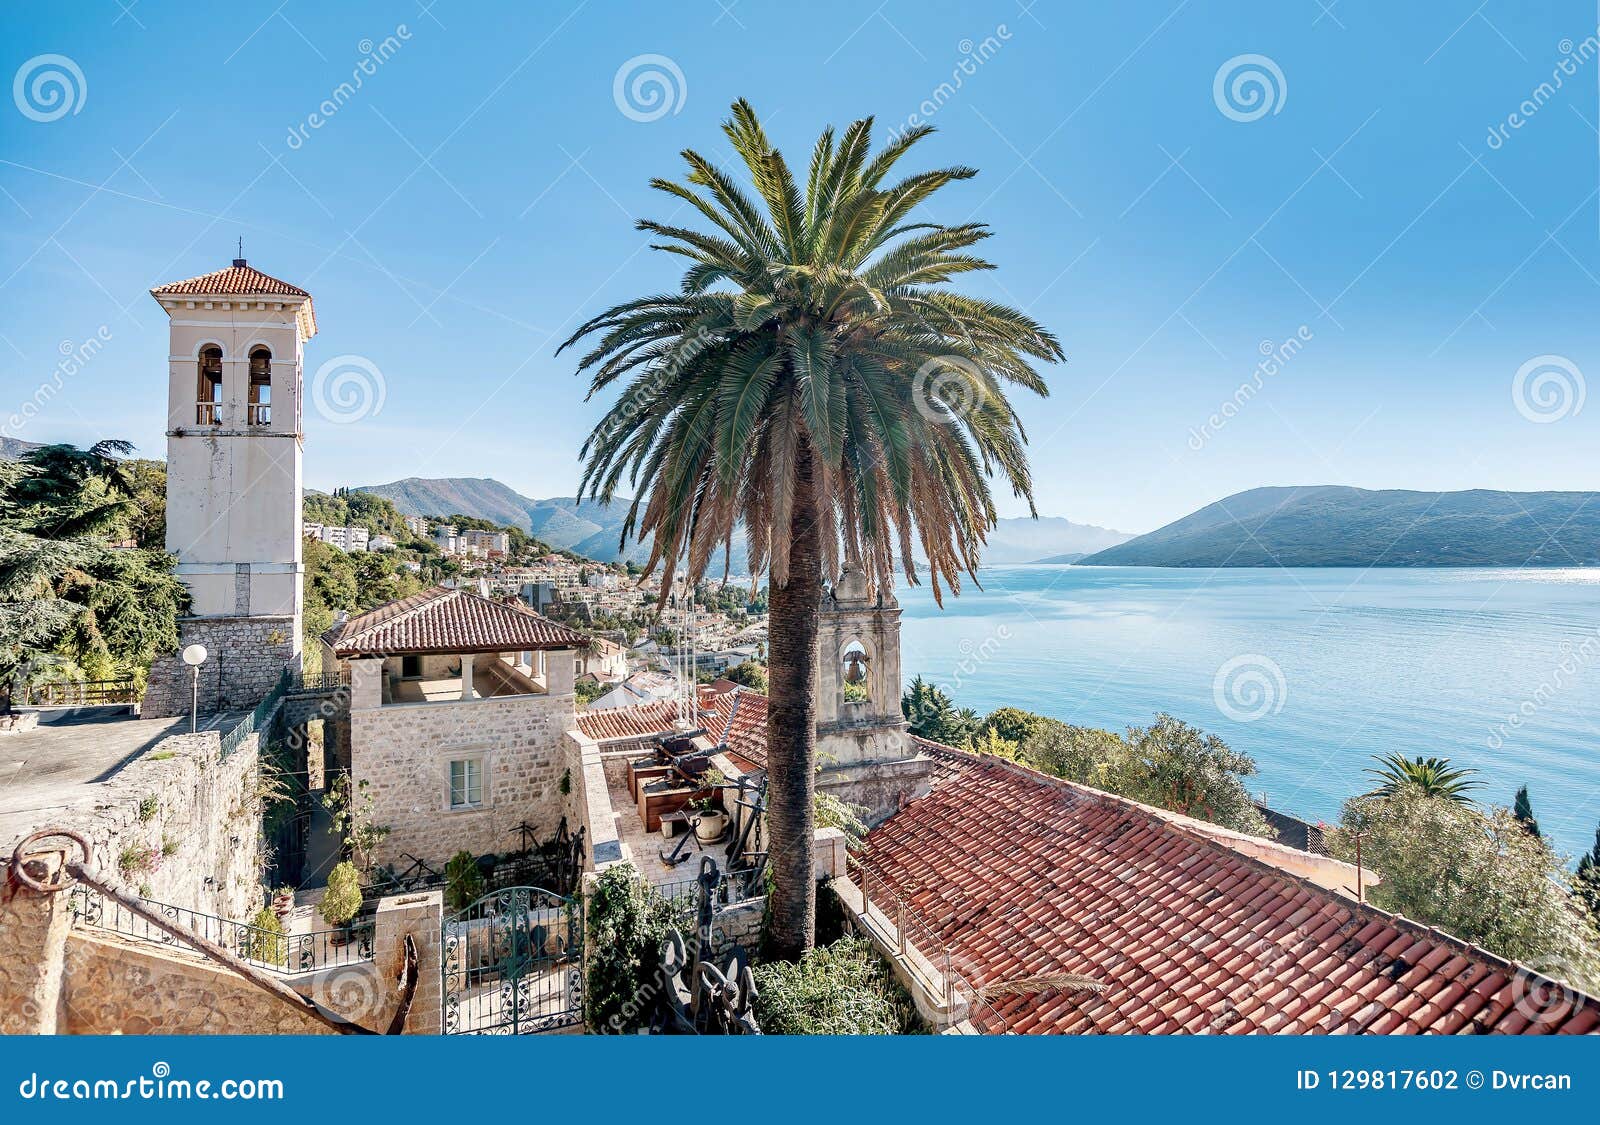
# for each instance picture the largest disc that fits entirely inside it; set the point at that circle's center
(181, 826)
(404, 752)
(244, 658)
(738, 924)
(132, 988)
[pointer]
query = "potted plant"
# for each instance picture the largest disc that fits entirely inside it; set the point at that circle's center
(283, 903)
(342, 899)
(710, 821)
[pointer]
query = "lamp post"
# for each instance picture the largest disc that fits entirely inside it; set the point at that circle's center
(194, 656)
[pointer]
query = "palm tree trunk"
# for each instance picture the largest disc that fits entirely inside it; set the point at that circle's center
(792, 725)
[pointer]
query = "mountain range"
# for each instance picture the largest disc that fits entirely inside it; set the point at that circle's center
(1335, 525)
(593, 529)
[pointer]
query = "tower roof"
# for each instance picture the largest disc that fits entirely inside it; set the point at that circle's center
(241, 279)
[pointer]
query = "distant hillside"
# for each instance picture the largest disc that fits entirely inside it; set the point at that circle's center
(1062, 560)
(585, 528)
(1333, 525)
(1026, 540)
(12, 448)
(593, 529)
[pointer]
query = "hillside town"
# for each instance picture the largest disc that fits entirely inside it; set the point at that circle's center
(401, 748)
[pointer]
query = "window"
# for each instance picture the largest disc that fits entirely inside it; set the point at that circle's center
(258, 410)
(466, 783)
(208, 395)
(411, 667)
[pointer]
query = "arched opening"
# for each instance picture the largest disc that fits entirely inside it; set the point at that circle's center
(208, 393)
(855, 673)
(258, 406)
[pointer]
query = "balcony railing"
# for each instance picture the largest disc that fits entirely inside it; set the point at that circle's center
(207, 413)
(258, 413)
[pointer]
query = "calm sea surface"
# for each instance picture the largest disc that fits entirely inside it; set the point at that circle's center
(1309, 671)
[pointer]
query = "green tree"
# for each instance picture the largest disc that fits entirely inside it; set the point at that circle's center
(1435, 777)
(1522, 809)
(1075, 753)
(930, 713)
(342, 900)
(1586, 884)
(749, 673)
(814, 384)
(1014, 724)
(988, 741)
(67, 594)
(1179, 767)
(1479, 876)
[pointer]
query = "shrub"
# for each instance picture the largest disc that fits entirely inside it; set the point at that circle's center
(148, 808)
(626, 925)
(1481, 877)
(343, 897)
(839, 989)
(264, 940)
(136, 860)
(463, 882)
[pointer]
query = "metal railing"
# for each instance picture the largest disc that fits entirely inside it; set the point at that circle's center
(910, 931)
(257, 719)
(322, 681)
(275, 951)
(80, 693)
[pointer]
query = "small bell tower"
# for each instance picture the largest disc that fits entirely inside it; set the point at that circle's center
(234, 392)
(865, 749)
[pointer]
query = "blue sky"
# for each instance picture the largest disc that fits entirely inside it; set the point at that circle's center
(473, 201)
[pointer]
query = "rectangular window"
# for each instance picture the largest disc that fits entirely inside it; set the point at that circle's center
(466, 783)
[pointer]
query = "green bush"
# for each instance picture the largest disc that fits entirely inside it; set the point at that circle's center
(263, 941)
(626, 925)
(463, 882)
(839, 989)
(343, 897)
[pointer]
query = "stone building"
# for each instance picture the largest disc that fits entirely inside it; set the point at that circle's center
(234, 437)
(458, 711)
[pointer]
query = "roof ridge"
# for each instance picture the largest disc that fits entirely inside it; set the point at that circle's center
(424, 599)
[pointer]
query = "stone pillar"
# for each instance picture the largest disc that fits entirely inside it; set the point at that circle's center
(35, 925)
(366, 684)
(466, 676)
(421, 916)
(559, 668)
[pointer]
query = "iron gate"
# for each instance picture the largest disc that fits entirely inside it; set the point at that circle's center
(513, 964)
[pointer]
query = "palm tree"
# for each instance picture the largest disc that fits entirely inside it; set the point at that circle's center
(814, 383)
(1435, 777)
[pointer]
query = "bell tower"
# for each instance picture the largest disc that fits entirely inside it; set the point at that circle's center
(866, 752)
(234, 391)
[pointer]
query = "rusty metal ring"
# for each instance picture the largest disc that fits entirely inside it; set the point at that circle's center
(19, 857)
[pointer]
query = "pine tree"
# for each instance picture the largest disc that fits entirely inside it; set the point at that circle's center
(1523, 811)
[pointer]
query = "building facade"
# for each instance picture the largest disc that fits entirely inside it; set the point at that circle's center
(234, 401)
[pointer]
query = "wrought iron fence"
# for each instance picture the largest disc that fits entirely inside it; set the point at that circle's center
(512, 964)
(285, 953)
(322, 681)
(257, 719)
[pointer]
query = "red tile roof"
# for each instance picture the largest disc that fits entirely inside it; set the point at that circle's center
(1022, 875)
(733, 717)
(442, 620)
(238, 279)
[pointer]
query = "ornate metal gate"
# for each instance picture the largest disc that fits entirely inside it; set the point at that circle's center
(513, 964)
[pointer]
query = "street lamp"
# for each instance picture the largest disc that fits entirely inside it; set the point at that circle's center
(194, 656)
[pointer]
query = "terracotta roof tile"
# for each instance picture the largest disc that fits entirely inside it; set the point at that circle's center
(1021, 874)
(238, 279)
(442, 620)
